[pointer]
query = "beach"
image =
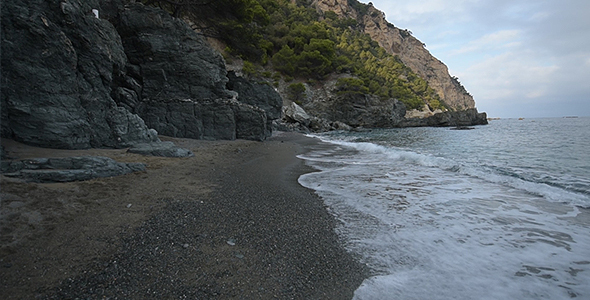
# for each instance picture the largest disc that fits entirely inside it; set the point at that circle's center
(232, 222)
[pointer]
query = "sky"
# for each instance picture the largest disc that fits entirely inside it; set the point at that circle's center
(518, 58)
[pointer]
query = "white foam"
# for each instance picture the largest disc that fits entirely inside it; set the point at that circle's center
(373, 153)
(433, 229)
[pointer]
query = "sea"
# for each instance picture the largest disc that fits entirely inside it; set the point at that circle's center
(501, 211)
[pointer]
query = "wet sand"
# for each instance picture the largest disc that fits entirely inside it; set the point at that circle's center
(230, 223)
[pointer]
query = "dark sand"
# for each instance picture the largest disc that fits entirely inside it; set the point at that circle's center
(230, 223)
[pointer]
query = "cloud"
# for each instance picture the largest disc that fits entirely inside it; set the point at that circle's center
(498, 39)
(510, 54)
(508, 77)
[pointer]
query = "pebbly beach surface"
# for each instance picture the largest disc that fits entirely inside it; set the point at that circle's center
(232, 222)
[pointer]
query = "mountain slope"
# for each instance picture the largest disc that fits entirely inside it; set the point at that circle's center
(400, 42)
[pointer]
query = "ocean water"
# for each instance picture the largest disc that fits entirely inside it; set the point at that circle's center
(498, 212)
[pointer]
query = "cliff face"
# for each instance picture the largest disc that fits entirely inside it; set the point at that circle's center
(410, 50)
(74, 80)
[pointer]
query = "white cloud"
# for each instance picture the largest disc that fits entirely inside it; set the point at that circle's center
(511, 55)
(509, 76)
(498, 39)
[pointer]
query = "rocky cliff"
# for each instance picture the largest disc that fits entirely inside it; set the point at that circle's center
(323, 108)
(410, 50)
(79, 74)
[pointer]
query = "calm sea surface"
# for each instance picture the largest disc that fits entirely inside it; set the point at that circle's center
(498, 212)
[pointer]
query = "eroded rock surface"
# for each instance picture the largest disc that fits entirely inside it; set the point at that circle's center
(67, 169)
(73, 80)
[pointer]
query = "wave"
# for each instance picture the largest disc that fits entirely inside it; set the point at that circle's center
(577, 194)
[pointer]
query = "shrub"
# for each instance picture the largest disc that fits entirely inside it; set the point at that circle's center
(351, 85)
(296, 92)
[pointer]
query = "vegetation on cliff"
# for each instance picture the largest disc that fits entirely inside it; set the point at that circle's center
(297, 41)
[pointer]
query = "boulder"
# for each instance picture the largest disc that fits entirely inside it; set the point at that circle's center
(67, 169)
(166, 149)
(296, 119)
(295, 113)
(214, 119)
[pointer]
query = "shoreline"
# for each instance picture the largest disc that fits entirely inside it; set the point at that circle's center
(231, 222)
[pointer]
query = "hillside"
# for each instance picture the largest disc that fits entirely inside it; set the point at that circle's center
(401, 43)
(118, 73)
(314, 39)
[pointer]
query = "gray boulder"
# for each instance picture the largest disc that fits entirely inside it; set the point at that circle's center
(260, 95)
(166, 149)
(67, 169)
(214, 119)
(295, 118)
(295, 113)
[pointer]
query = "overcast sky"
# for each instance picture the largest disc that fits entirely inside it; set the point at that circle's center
(518, 58)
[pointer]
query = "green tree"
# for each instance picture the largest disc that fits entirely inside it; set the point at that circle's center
(296, 92)
(284, 60)
(351, 85)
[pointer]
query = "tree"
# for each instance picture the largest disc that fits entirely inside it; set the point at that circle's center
(296, 92)
(235, 22)
(351, 85)
(283, 60)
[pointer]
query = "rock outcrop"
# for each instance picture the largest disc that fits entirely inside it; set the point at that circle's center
(179, 85)
(165, 149)
(73, 80)
(324, 108)
(466, 117)
(58, 64)
(67, 169)
(360, 110)
(410, 50)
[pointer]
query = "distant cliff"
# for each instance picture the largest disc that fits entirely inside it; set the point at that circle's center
(400, 42)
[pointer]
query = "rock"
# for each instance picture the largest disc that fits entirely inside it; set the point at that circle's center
(174, 62)
(58, 62)
(449, 118)
(91, 82)
(294, 113)
(424, 113)
(251, 122)
(67, 169)
(341, 126)
(360, 110)
(260, 95)
(216, 119)
(185, 84)
(165, 149)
